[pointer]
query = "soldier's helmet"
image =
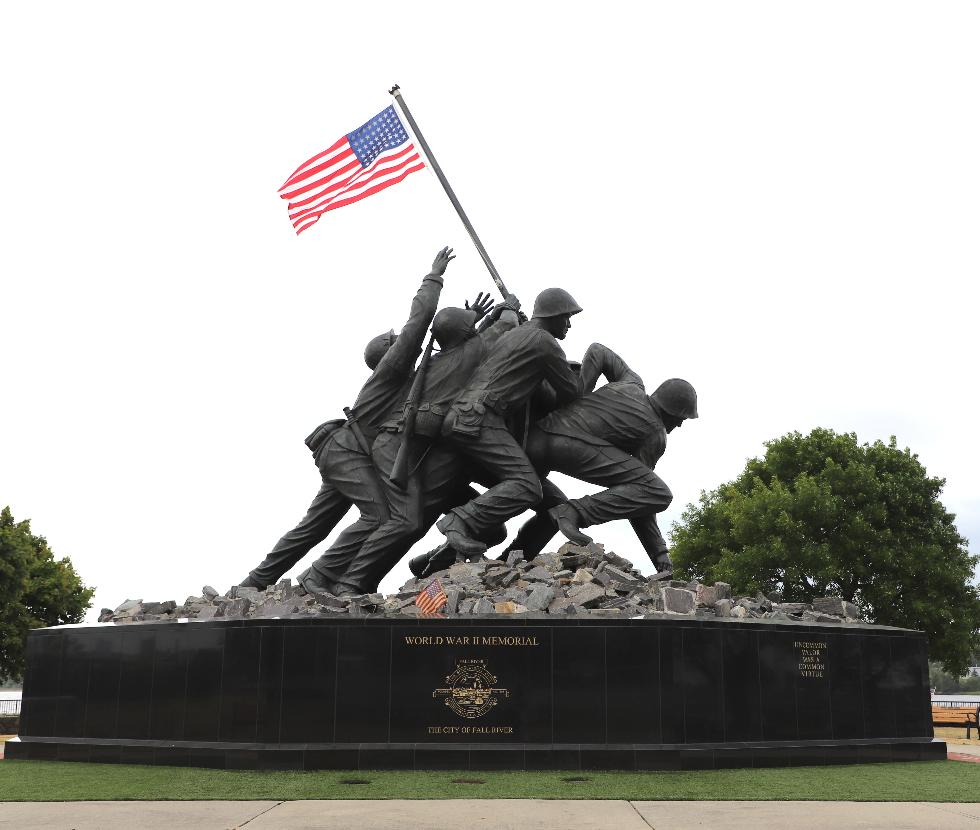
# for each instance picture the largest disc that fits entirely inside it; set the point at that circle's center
(676, 397)
(553, 302)
(377, 347)
(452, 326)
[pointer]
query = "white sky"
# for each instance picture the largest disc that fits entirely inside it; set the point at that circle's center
(777, 201)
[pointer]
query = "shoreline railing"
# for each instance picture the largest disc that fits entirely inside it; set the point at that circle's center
(9, 707)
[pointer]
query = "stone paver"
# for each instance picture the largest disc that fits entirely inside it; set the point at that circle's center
(957, 756)
(472, 814)
(475, 814)
(130, 815)
(808, 815)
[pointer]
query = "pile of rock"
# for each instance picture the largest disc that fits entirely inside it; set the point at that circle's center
(575, 581)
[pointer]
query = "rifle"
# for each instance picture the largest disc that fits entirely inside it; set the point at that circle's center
(400, 472)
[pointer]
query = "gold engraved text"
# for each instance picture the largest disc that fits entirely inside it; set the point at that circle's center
(471, 730)
(812, 657)
(470, 640)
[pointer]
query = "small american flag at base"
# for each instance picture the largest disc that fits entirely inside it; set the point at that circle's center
(431, 598)
(375, 156)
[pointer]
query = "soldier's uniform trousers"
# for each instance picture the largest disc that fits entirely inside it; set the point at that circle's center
(493, 449)
(634, 491)
(439, 482)
(348, 478)
(352, 473)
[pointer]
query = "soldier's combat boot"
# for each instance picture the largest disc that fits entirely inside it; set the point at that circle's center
(343, 589)
(417, 564)
(665, 568)
(440, 559)
(568, 519)
(311, 582)
(251, 582)
(457, 534)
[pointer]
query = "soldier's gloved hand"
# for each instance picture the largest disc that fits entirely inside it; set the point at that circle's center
(441, 261)
(510, 304)
(481, 305)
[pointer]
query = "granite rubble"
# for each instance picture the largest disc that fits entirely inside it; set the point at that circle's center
(571, 582)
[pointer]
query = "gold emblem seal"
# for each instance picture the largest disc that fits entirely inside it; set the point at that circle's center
(470, 692)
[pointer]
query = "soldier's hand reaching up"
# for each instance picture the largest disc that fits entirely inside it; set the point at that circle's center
(441, 261)
(509, 304)
(513, 304)
(481, 305)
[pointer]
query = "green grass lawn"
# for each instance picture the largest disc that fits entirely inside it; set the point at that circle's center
(58, 781)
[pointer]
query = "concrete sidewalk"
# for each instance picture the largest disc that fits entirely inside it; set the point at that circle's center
(476, 814)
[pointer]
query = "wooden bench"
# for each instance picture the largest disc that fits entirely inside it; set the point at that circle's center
(957, 716)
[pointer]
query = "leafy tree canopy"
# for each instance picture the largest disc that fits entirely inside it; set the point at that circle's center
(823, 515)
(947, 684)
(35, 590)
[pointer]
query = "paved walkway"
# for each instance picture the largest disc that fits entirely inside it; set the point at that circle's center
(969, 757)
(477, 814)
(3, 740)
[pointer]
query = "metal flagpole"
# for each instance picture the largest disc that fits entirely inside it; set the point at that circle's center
(396, 92)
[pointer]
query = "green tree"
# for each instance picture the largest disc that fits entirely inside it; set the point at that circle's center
(823, 515)
(947, 684)
(35, 590)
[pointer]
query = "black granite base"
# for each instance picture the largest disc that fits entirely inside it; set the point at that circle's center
(310, 693)
(477, 756)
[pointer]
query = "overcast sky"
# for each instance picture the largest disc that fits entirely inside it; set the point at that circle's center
(777, 201)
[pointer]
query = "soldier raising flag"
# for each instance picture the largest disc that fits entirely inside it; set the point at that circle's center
(500, 406)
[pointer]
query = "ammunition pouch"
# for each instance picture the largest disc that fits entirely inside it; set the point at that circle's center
(469, 413)
(466, 419)
(428, 421)
(318, 437)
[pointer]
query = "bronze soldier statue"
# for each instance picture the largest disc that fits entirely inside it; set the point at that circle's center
(436, 479)
(500, 406)
(345, 467)
(613, 437)
(476, 427)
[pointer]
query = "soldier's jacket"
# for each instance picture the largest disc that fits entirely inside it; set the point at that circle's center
(619, 413)
(511, 372)
(386, 390)
(384, 394)
(446, 375)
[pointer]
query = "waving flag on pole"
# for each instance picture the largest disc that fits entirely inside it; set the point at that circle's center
(376, 155)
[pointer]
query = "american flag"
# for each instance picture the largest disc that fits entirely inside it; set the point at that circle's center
(376, 155)
(431, 598)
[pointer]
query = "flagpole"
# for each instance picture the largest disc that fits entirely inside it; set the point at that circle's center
(396, 92)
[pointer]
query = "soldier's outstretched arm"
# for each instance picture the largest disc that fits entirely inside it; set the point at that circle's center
(506, 321)
(408, 344)
(563, 379)
(601, 360)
